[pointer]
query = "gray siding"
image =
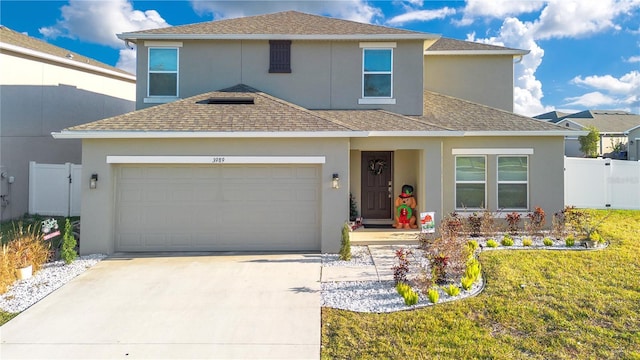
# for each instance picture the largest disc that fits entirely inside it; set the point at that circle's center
(325, 74)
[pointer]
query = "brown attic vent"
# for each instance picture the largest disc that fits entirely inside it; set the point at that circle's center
(228, 100)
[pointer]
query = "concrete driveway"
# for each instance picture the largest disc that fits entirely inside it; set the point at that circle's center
(264, 306)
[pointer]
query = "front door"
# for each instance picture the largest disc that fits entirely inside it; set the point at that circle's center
(376, 185)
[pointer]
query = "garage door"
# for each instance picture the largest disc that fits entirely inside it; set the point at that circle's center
(217, 208)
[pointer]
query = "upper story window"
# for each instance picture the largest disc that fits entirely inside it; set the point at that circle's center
(163, 72)
(377, 73)
(513, 182)
(279, 56)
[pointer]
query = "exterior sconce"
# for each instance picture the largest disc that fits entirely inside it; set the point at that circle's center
(335, 183)
(93, 181)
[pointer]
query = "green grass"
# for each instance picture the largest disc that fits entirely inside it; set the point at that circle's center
(537, 304)
(5, 316)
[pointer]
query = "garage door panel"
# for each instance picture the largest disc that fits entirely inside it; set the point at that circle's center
(218, 208)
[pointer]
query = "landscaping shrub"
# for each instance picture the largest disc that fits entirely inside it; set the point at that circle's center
(526, 241)
(507, 240)
(474, 224)
(473, 270)
(401, 270)
(451, 290)
(7, 269)
(410, 296)
(513, 219)
(466, 282)
(68, 252)
(26, 245)
(488, 225)
(473, 246)
(547, 241)
(451, 226)
(345, 244)
(492, 243)
(570, 241)
(433, 295)
(438, 265)
(536, 221)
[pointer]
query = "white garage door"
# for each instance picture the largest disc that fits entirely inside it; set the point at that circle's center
(218, 208)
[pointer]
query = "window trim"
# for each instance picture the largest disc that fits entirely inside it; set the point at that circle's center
(377, 99)
(456, 182)
(498, 182)
(275, 67)
(162, 98)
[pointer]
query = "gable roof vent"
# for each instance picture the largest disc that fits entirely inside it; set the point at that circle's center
(229, 101)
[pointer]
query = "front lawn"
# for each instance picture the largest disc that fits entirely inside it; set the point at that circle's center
(537, 304)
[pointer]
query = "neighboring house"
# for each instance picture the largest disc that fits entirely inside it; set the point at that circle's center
(618, 131)
(44, 88)
(251, 133)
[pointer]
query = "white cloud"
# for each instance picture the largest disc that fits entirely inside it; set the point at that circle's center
(421, 15)
(591, 100)
(127, 60)
(633, 59)
(610, 92)
(555, 21)
(497, 9)
(99, 21)
(356, 10)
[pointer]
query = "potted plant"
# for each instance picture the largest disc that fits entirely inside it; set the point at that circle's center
(24, 267)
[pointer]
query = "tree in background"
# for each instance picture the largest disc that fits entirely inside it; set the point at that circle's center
(589, 143)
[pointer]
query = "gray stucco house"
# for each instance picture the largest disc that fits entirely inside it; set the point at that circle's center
(251, 133)
(45, 88)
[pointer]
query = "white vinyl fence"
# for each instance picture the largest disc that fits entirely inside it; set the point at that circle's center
(54, 189)
(601, 183)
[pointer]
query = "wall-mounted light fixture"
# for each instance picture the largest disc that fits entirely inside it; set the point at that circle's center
(93, 181)
(335, 183)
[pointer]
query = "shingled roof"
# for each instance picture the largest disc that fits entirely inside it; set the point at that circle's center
(467, 116)
(216, 112)
(446, 46)
(242, 109)
(292, 24)
(606, 121)
(11, 37)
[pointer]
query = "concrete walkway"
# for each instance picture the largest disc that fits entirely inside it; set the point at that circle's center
(383, 257)
(225, 306)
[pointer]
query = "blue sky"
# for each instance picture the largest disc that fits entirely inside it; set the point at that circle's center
(585, 54)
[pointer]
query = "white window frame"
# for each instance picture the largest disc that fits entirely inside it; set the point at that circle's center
(377, 100)
(162, 98)
(498, 182)
(456, 182)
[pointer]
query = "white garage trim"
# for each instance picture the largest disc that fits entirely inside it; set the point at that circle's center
(483, 151)
(215, 159)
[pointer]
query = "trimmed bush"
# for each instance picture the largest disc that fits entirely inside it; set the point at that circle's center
(68, 252)
(507, 240)
(527, 241)
(472, 245)
(466, 282)
(408, 294)
(345, 245)
(473, 270)
(570, 241)
(451, 290)
(492, 243)
(433, 295)
(547, 241)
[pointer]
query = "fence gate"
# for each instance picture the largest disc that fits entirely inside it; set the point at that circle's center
(54, 189)
(602, 183)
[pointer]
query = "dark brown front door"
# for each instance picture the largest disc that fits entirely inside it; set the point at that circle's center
(376, 182)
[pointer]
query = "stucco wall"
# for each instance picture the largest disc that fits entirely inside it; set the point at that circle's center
(482, 79)
(546, 169)
(324, 74)
(98, 205)
(634, 145)
(39, 97)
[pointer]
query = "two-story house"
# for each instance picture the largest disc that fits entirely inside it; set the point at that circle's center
(45, 88)
(251, 134)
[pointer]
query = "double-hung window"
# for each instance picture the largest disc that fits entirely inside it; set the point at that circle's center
(471, 180)
(163, 72)
(513, 182)
(377, 73)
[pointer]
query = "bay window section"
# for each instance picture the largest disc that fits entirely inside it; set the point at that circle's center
(163, 72)
(513, 182)
(471, 179)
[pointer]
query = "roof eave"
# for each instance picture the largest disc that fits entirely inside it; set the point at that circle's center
(522, 133)
(426, 133)
(67, 134)
(133, 37)
(63, 61)
(511, 52)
